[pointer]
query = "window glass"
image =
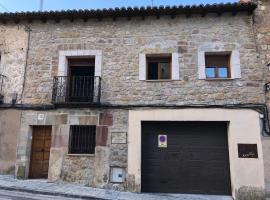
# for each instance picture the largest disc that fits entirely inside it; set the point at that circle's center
(153, 71)
(217, 66)
(222, 72)
(210, 72)
(164, 70)
(158, 67)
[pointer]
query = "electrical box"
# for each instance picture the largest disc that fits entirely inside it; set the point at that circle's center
(117, 175)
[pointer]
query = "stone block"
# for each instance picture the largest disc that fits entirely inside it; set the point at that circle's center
(101, 166)
(20, 172)
(88, 120)
(101, 135)
(250, 193)
(105, 119)
(60, 136)
(55, 166)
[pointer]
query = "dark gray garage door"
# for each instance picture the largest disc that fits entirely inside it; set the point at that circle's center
(196, 159)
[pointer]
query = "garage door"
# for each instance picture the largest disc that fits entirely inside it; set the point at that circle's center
(195, 161)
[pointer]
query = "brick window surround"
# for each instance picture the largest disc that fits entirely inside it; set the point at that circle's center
(64, 55)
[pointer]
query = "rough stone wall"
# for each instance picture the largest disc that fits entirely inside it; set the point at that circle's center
(122, 41)
(13, 45)
(93, 170)
(262, 34)
(78, 169)
(9, 130)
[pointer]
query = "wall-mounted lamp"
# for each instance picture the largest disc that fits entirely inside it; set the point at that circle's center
(13, 98)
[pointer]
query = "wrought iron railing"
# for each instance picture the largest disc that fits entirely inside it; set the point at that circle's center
(76, 89)
(2, 81)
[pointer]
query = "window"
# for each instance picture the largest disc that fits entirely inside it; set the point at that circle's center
(217, 66)
(158, 67)
(82, 139)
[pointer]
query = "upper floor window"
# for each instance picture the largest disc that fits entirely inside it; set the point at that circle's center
(217, 66)
(158, 67)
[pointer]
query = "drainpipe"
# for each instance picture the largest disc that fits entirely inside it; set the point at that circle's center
(28, 29)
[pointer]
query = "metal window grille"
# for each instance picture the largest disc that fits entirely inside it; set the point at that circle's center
(82, 139)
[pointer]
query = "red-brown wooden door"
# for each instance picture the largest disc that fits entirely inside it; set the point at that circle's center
(40, 154)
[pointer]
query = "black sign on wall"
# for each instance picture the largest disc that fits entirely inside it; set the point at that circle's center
(247, 151)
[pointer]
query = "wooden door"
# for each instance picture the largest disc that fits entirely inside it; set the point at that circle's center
(40, 154)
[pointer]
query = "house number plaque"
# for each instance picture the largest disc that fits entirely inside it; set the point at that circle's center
(247, 151)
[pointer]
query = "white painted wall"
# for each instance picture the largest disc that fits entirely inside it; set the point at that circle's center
(244, 128)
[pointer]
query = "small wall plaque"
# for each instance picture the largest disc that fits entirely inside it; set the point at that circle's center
(41, 117)
(162, 141)
(119, 138)
(247, 151)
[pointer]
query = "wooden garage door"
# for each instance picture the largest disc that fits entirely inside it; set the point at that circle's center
(196, 159)
(40, 153)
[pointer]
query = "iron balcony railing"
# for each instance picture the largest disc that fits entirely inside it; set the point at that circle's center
(76, 89)
(2, 81)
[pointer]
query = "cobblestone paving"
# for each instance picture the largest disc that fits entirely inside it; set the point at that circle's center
(76, 190)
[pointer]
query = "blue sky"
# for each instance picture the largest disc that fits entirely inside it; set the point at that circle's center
(30, 5)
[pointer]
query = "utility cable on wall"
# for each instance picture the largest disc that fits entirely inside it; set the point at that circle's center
(27, 29)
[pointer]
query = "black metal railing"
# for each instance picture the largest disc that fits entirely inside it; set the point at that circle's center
(2, 81)
(76, 89)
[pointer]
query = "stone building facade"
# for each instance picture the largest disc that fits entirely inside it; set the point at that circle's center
(13, 46)
(120, 47)
(262, 30)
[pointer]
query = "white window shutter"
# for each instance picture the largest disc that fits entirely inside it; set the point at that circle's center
(201, 65)
(142, 67)
(235, 64)
(175, 66)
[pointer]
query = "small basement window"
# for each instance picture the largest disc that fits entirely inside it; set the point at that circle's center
(217, 65)
(158, 67)
(82, 139)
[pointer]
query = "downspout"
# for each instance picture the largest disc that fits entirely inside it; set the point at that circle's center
(28, 29)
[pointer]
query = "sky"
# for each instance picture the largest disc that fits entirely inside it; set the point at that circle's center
(33, 5)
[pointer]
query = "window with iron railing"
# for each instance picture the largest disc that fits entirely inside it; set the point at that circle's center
(79, 86)
(82, 139)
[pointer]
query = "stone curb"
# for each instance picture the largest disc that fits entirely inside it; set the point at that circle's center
(50, 193)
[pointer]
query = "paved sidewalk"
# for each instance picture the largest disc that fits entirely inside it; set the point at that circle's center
(8, 182)
(267, 185)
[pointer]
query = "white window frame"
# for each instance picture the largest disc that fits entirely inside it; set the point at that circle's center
(64, 55)
(235, 66)
(175, 67)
